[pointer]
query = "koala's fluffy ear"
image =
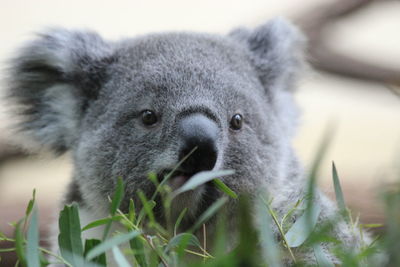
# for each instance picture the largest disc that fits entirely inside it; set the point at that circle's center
(53, 79)
(276, 50)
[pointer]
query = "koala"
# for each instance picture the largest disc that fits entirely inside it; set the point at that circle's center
(140, 105)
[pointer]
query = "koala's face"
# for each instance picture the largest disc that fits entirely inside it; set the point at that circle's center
(142, 105)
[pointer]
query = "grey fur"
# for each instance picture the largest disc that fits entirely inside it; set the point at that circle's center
(80, 93)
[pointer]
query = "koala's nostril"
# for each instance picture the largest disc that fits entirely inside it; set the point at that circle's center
(198, 131)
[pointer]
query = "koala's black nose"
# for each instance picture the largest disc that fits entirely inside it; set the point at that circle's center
(201, 132)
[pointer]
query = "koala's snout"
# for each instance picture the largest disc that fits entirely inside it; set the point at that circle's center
(197, 130)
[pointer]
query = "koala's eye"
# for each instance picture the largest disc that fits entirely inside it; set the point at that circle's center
(149, 117)
(236, 122)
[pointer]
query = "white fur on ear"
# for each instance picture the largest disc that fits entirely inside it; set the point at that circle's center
(52, 80)
(277, 52)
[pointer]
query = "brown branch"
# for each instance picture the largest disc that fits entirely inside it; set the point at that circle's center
(314, 24)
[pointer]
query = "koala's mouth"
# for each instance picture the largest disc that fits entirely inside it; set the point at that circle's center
(176, 178)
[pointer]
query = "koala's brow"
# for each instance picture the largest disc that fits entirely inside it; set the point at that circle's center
(198, 109)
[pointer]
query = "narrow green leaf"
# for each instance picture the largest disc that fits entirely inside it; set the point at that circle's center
(183, 239)
(119, 257)
(19, 243)
(2, 236)
(89, 245)
(132, 212)
(338, 189)
(179, 220)
(7, 249)
(30, 204)
(101, 222)
(321, 257)
(269, 247)
(118, 195)
(137, 245)
(108, 244)
(142, 213)
(303, 226)
(209, 213)
(153, 178)
(115, 203)
(316, 164)
(201, 178)
(32, 242)
(69, 239)
(224, 188)
(147, 207)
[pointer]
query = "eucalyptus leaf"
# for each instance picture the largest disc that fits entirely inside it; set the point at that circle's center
(115, 202)
(184, 239)
(224, 188)
(118, 195)
(19, 243)
(32, 242)
(101, 222)
(69, 238)
(303, 226)
(147, 206)
(338, 189)
(137, 245)
(269, 246)
(108, 244)
(201, 178)
(89, 245)
(179, 220)
(30, 204)
(321, 257)
(120, 258)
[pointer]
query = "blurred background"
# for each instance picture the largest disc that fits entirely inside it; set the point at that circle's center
(354, 49)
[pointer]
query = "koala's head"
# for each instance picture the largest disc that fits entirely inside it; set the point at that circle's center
(128, 108)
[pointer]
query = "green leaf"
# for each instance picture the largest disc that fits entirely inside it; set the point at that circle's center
(69, 238)
(321, 257)
(7, 249)
(201, 178)
(179, 220)
(2, 236)
(182, 240)
(30, 204)
(224, 188)
(119, 257)
(101, 222)
(118, 195)
(108, 244)
(209, 213)
(269, 247)
(19, 243)
(132, 212)
(115, 203)
(316, 164)
(147, 206)
(303, 226)
(89, 245)
(137, 245)
(338, 189)
(150, 206)
(32, 242)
